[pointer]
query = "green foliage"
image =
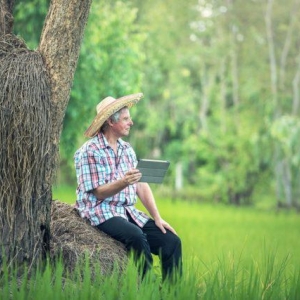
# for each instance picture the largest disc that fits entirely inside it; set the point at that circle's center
(284, 134)
(29, 19)
(211, 101)
(285, 131)
(64, 193)
(109, 65)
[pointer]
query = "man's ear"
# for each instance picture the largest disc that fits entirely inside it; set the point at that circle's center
(109, 122)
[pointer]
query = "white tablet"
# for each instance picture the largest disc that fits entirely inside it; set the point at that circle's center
(153, 171)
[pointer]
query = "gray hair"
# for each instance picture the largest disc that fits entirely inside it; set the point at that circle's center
(114, 118)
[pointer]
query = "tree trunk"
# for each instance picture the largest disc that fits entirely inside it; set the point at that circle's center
(278, 166)
(223, 91)
(287, 45)
(25, 226)
(206, 80)
(6, 17)
(296, 93)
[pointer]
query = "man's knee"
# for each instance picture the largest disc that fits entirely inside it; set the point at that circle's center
(173, 247)
(137, 239)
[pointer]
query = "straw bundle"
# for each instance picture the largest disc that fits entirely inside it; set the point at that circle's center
(74, 238)
(25, 130)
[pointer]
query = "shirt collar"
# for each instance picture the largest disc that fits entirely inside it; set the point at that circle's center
(104, 143)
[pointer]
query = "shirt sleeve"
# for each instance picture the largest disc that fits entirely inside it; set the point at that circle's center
(131, 157)
(90, 170)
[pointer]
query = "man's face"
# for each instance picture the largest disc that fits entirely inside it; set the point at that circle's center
(122, 127)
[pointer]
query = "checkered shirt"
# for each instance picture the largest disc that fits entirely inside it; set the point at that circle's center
(96, 164)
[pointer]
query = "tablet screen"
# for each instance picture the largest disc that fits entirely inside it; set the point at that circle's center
(153, 171)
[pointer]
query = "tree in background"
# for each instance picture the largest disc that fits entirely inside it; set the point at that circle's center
(35, 88)
(284, 69)
(221, 85)
(221, 75)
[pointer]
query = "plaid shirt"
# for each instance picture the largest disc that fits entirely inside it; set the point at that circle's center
(96, 164)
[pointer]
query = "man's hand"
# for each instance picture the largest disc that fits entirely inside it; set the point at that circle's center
(163, 225)
(132, 176)
(145, 194)
(114, 187)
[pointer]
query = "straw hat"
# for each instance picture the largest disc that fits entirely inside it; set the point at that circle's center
(107, 107)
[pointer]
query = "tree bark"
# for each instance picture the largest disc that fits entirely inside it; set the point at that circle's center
(27, 237)
(287, 44)
(59, 45)
(60, 42)
(205, 78)
(272, 58)
(278, 166)
(6, 17)
(296, 93)
(223, 95)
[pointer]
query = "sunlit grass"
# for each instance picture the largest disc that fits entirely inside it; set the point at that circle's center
(210, 231)
(64, 193)
(226, 279)
(229, 252)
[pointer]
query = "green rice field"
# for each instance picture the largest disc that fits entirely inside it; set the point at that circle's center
(229, 253)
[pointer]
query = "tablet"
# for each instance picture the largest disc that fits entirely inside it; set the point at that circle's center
(153, 171)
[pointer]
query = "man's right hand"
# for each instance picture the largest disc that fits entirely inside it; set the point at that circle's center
(132, 176)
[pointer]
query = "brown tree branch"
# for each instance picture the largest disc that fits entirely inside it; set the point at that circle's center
(60, 46)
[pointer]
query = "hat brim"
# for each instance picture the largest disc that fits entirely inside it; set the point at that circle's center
(109, 110)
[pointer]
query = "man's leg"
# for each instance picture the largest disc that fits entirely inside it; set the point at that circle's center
(132, 237)
(167, 246)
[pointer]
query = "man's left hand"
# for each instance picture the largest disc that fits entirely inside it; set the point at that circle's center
(163, 225)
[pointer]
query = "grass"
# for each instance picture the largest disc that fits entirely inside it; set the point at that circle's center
(229, 253)
(226, 279)
(64, 193)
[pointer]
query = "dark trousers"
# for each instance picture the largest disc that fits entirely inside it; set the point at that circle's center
(147, 240)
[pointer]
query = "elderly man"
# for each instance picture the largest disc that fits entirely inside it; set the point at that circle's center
(108, 187)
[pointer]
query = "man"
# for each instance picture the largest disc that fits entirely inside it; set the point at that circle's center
(108, 187)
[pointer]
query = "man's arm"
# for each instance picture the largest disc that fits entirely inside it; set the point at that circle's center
(112, 188)
(145, 194)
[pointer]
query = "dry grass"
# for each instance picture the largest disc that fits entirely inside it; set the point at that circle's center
(74, 238)
(25, 130)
